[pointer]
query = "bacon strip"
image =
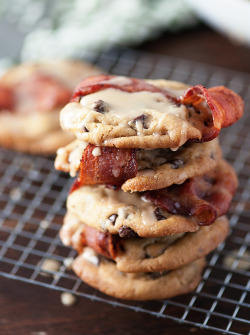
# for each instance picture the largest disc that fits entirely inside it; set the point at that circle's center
(35, 93)
(41, 92)
(113, 166)
(105, 244)
(224, 106)
(6, 98)
(205, 198)
(97, 83)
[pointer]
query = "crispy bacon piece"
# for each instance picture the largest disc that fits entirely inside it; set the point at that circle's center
(40, 92)
(105, 244)
(205, 197)
(222, 106)
(7, 101)
(113, 166)
(97, 83)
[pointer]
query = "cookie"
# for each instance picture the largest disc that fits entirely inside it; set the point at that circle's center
(133, 113)
(168, 253)
(113, 211)
(176, 209)
(29, 118)
(102, 274)
(156, 168)
(135, 254)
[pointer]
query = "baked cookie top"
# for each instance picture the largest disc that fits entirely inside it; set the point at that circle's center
(133, 113)
(31, 96)
(151, 169)
(134, 254)
(175, 209)
(103, 275)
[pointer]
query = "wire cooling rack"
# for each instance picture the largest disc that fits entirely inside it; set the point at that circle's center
(32, 204)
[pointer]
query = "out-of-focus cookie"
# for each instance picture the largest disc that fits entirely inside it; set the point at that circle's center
(175, 209)
(157, 168)
(103, 275)
(135, 254)
(127, 112)
(31, 96)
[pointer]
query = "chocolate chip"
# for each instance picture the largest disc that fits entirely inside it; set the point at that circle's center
(121, 246)
(101, 107)
(209, 179)
(156, 275)
(112, 218)
(176, 163)
(159, 214)
(206, 124)
(212, 155)
(85, 129)
(113, 187)
(143, 118)
(126, 231)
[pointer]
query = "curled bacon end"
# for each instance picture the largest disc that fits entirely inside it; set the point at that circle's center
(112, 166)
(104, 244)
(224, 105)
(7, 100)
(97, 83)
(205, 197)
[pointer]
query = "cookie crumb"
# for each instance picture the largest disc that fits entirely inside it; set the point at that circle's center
(68, 263)
(44, 224)
(68, 299)
(15, 194)
(242, 264)
(91, 256)
(50, 265)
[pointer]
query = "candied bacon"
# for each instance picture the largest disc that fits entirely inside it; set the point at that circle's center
(224, 106)
(41, 92)
(97, 83)
(104, 244)
(204, 197)
(113, 166)
(7, 100)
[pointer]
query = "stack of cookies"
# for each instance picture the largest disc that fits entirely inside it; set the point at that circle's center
(151, 187)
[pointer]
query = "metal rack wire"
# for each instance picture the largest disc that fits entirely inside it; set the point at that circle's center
(32, 205)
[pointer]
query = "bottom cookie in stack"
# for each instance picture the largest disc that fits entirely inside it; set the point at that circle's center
(137, 268)
(148, 245)
(105, 277)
